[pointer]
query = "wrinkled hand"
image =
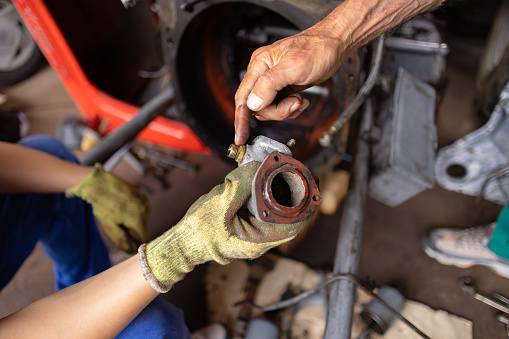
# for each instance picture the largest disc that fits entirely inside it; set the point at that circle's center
(120, 207)
(291, 64)
(216, 227)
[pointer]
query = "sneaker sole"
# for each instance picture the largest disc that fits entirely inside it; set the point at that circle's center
(499, 268)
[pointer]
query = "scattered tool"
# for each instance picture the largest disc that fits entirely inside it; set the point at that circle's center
(497, 301)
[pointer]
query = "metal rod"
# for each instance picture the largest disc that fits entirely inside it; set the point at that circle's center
(501, 298)
(493, 303)
(410, 45)
(128, 131)
(342, 294)
(326, 138)
(110, 164)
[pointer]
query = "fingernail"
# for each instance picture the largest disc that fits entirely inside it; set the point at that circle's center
(295, 107)
(304, 106)
(253, 102)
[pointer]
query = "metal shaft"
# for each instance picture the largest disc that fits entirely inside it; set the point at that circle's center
(326, 138)
(342, 295)
(410, 45)
(128, 131)
(493, 303)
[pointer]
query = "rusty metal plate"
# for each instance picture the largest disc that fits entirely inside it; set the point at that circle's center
(284, 190)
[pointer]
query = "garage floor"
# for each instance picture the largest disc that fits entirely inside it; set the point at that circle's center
(391, 252)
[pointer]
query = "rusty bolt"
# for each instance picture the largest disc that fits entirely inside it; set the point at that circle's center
(236, 152)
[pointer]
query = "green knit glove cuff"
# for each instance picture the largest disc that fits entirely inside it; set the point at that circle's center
(168, 258)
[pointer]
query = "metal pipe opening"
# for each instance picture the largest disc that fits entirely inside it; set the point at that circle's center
(288, 189)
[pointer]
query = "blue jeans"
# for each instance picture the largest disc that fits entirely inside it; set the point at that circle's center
(68, 232)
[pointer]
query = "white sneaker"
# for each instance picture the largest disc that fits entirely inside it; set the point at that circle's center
(465, 248)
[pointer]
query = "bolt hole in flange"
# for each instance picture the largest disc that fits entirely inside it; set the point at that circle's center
(456, 171)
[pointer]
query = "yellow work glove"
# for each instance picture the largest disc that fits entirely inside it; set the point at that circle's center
(120, 207)
(216, 227)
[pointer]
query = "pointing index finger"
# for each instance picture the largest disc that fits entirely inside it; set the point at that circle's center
(242, 112)
(242, 119)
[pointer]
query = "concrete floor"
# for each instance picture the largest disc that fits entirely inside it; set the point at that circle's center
(391, 252)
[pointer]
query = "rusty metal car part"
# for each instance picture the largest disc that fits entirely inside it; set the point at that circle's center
(283, 191)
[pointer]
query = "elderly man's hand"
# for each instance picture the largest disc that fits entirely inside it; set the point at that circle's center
(291, 64)
(311, 57)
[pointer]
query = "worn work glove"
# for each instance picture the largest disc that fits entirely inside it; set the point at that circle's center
(216, 227)
(120, 207)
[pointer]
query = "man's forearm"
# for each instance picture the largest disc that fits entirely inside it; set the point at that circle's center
(25, 170)
(356, 22)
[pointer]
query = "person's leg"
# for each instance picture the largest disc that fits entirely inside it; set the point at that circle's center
(485, 245)
(159, 319)
(66, 228)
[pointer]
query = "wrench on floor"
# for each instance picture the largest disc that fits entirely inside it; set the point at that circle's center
(497, 301)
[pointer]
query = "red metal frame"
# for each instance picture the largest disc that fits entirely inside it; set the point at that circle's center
(96, 105)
